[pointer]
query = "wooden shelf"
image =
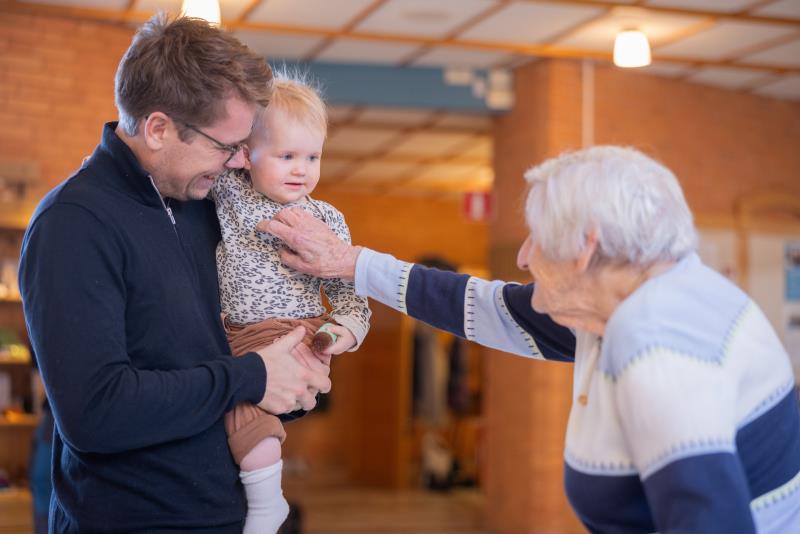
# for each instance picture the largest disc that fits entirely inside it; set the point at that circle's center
(19, 420)
(14, 363)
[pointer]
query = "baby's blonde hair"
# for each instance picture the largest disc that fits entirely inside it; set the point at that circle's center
(295, 95)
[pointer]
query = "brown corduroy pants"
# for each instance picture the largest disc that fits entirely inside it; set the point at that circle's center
(247, 424)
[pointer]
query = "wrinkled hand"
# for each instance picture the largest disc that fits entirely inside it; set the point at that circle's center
(290, 383)
(313, 247)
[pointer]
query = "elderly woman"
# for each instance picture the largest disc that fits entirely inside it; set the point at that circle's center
(684, 416)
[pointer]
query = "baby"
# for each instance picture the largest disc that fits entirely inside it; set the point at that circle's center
(263, 299)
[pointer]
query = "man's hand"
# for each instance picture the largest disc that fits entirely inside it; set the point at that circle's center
(291, 384)
(313, 247)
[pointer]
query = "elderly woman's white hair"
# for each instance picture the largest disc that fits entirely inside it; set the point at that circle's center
(635, 204)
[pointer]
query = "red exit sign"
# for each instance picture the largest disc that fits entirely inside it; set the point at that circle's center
(478, 206)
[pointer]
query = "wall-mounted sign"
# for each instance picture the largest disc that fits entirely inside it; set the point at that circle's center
(478, 206)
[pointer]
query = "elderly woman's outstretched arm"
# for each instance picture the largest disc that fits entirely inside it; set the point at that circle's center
(495, 314)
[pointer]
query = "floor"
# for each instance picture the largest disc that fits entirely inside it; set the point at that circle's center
(330, 506)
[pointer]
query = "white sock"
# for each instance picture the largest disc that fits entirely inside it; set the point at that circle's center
(266, 507)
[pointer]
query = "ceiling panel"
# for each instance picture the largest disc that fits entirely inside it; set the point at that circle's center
(727, 78)
(786, 55)
(529, 23)
(331, 168)
(600, 34)
(787, 88)
(448, 56)
(473, 121)
(423, 17)
(482, 149)
(273, 45)
(357, 51)
(402, 117)
(448, 172)
(351, 140)
(477, 179)
(308, 13)
(667, 70)
(171, 6)
(105, 4)
(232, 9)
(723, 40)
(340, 113)
(430, 144)
(728, 6)
(378, 170)
(784, 8)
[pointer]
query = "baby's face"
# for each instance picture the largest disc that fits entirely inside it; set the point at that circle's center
(285, 161)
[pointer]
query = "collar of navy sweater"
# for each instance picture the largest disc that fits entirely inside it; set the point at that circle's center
(131, 176)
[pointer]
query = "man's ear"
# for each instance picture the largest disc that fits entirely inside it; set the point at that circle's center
(247, 164)
(156, 129)
(585, 257)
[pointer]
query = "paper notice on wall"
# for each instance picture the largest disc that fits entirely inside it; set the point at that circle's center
(791, 303)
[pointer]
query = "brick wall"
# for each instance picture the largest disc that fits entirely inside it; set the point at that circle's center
(57, 90)
(722, 145)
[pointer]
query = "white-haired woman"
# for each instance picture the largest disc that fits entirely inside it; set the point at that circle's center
(684, 416)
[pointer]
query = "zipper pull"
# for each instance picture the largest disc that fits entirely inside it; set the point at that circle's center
(164, 204)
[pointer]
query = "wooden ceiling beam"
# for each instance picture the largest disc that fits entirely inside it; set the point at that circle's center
(246, 12)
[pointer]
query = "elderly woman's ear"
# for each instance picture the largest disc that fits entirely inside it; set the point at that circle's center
(584, 260)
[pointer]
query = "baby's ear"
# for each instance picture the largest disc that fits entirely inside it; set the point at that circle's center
(246, 150)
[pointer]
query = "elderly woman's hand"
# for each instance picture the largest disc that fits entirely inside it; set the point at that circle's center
(313, 248)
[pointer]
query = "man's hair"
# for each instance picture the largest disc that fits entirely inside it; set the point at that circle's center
(186, 68)
(295, 95)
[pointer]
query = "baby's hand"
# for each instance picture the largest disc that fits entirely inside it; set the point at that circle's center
(344, 340)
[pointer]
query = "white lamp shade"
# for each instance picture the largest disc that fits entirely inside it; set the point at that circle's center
(202, 9)
(631, 49)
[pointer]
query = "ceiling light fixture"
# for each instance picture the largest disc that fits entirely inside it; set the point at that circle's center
(631, 49)
(202, 9)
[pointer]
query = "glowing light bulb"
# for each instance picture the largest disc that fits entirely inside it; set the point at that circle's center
(202, 9)
(631, 49)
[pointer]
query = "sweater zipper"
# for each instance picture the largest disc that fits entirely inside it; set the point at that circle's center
(164, 204)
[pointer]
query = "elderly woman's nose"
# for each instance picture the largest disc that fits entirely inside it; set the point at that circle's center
(524, 254)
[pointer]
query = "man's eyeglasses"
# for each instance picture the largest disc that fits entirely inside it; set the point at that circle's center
(232, 150)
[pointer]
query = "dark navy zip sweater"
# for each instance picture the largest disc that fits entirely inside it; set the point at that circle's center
(122, 308)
